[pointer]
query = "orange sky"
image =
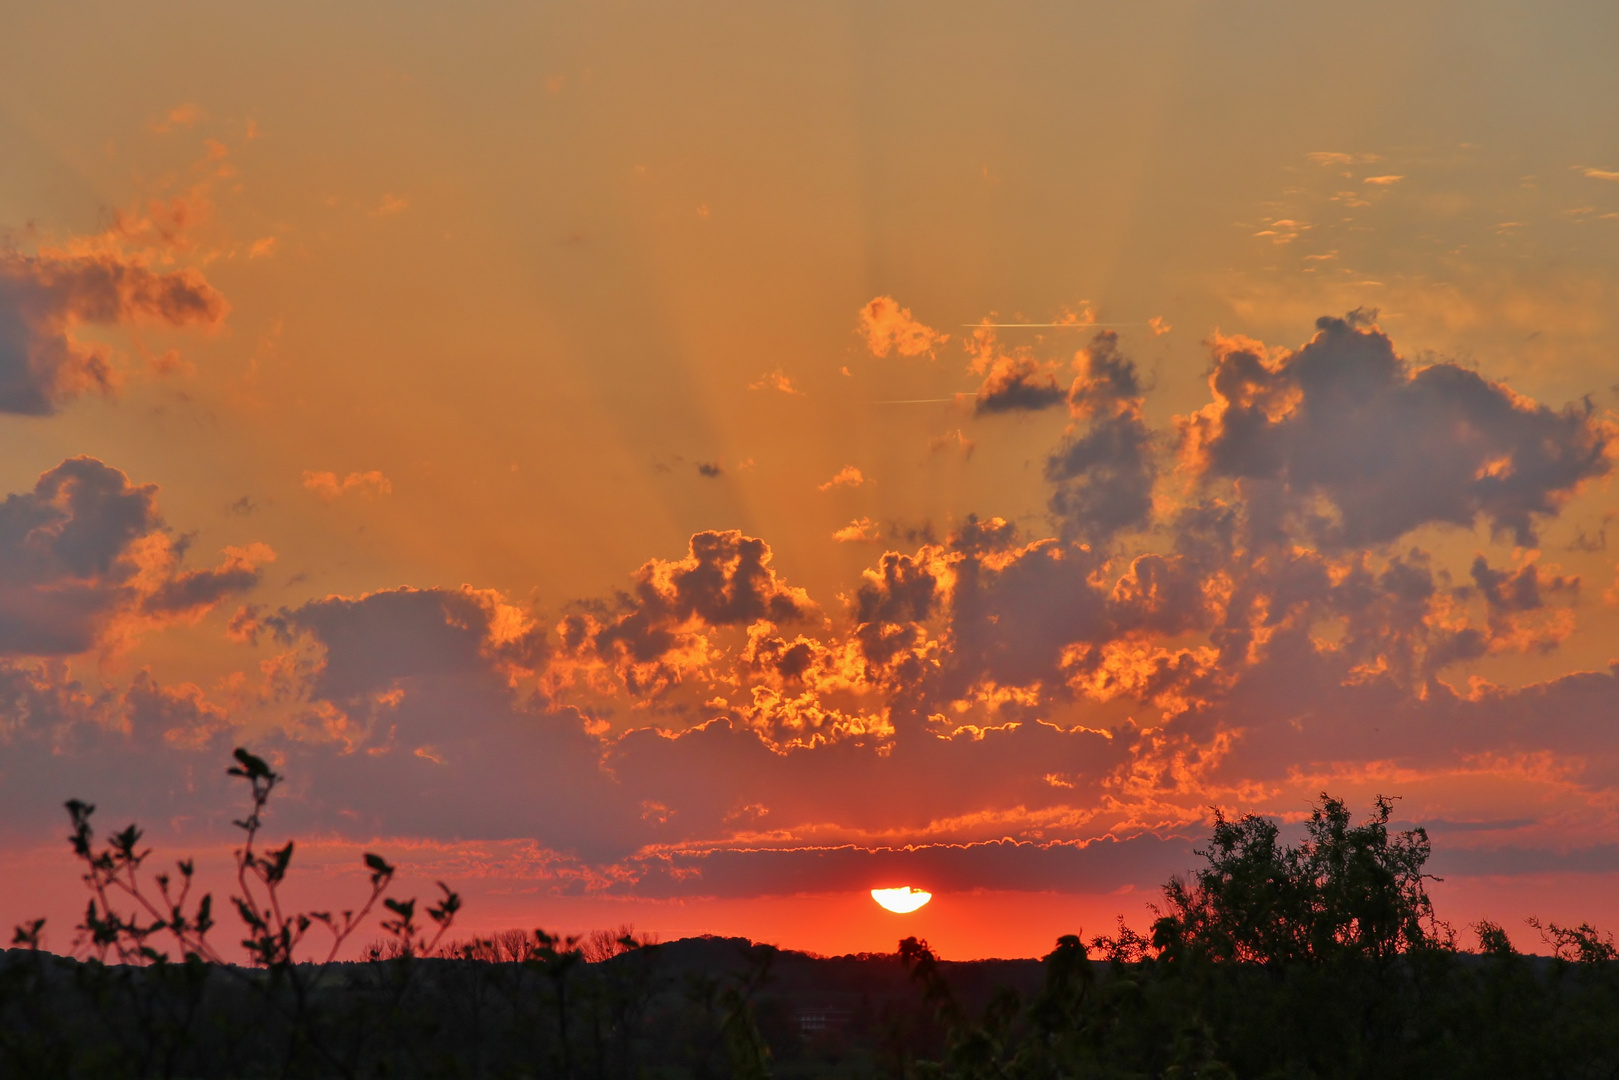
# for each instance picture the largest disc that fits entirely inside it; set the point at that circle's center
(692, 465)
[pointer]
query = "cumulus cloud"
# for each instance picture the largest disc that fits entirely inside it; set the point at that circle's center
(1354, 445)
(889, 328)
(654, 637)
(711, 730)
(1103, 472)
(149, 751)
(1014, 381)
(45, 297)
(85, 556)
(1015, 384)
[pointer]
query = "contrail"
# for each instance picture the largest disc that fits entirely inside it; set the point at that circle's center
(916, 401)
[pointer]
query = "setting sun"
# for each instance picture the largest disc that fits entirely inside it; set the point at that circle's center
(901, 901)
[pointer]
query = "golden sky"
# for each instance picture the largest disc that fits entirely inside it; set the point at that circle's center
(695, 463)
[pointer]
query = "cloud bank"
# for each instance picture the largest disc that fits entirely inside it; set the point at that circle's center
(1235, 610)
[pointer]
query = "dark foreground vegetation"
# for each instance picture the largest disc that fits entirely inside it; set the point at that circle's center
(1321, 959)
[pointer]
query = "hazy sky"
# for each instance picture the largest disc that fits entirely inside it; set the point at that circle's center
(602, 453)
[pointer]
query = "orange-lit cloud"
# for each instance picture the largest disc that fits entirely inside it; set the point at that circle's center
(859, 531)
(86, 561)
(1389, 445)
(712, 730)
(848, 476)
(45, 297)
(887, 328)
(181, 116)
(776, 380)
(328, 486)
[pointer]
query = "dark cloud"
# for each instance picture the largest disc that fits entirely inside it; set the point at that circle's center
(153, 752)
(1389, 447)
(1513, 860)
(86, 546)
(196, 590)
(1014, 610)
(44, 298)
(1017, 384)
(711, 732)
(652, 635)
(372, 641)
(1102, 476)
(1517, 590)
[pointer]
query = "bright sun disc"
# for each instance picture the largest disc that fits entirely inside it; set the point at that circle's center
(903, 901)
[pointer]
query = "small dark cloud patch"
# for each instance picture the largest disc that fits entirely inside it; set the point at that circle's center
(711, 469)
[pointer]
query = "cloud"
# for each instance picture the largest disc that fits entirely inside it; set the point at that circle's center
(181, 116)
(997, 709)
(44, 298)
(147, 750)
(1348, 441)
(1017, 384)
(190, 592)
(1102, 476)
(953, 440)
(1332, 157)
(848, 476)
(1014, 381)
(328, 487)
(85, 559)
(887, 328)
(859, 531)
(373, 641)
(653, 638)
(711, 469)
(1382, 181)
(1283, 230)
(1100, 865)
(1599, 174)
(776, 380)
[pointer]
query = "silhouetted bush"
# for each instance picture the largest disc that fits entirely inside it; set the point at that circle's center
(1322, 959)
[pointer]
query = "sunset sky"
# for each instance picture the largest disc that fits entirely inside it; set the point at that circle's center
(690, 464)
